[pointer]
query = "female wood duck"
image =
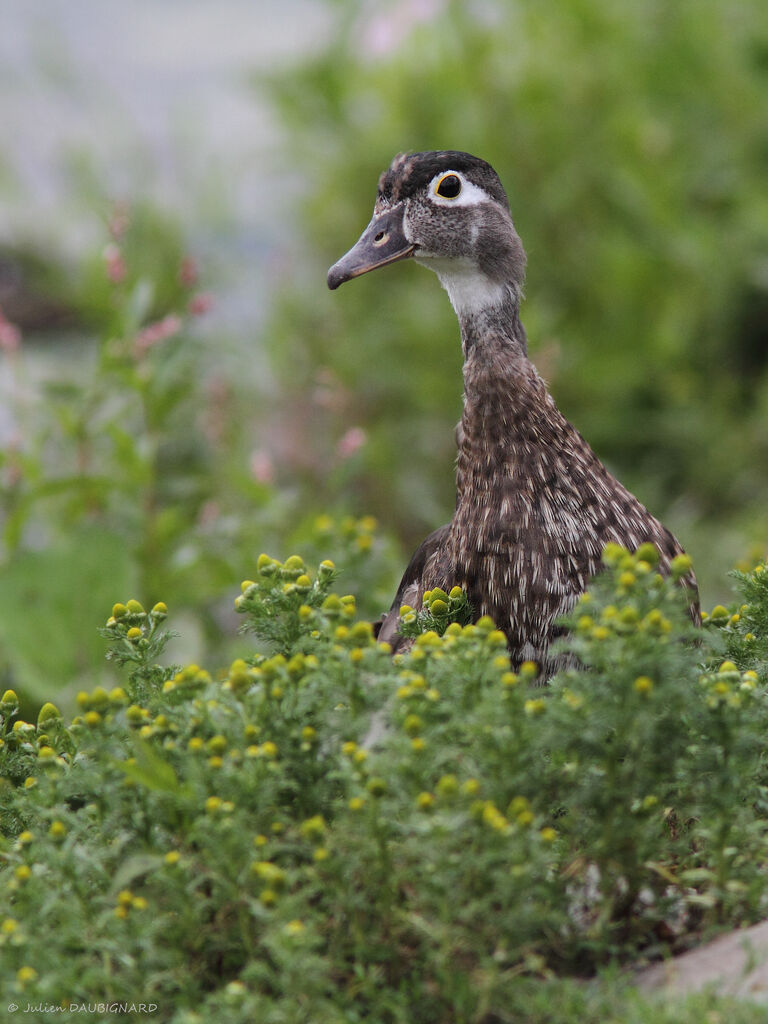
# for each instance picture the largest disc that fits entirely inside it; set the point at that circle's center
(534, 505)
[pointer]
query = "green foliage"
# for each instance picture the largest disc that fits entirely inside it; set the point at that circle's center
(631, 140)
(439, 610)
(137, 639)
(131, 473)
(327, 833)
(745, 627)
(49, 601)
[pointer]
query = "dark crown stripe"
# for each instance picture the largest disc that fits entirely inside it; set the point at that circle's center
(409, 173)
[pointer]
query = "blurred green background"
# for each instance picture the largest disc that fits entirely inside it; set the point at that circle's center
(179, 389)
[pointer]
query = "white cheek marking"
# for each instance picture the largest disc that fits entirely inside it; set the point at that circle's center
(470, 195)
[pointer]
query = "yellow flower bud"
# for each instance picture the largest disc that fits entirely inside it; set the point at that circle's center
(425, 801)
(48, 713)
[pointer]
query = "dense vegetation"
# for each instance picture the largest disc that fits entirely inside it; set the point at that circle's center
(156, 454)
(325, 833)
(321, 833)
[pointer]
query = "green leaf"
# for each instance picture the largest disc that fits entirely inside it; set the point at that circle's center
(150, 770)
(49, 602)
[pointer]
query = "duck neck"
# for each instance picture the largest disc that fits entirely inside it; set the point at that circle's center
(493, 325)
(508, 416)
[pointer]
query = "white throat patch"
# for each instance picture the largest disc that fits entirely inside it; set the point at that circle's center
(469, 290)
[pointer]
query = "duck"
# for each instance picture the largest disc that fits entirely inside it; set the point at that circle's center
(535, 506)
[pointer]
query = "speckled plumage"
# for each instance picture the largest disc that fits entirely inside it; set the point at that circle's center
(534, 505)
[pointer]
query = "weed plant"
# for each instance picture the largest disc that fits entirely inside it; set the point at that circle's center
(326, 833)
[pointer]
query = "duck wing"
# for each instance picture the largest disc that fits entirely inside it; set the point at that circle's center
(410, 589)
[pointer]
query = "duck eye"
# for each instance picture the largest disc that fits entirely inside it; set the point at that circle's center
(449, 186)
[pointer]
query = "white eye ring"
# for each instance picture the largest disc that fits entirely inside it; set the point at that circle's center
(448, 179)
(468, 195)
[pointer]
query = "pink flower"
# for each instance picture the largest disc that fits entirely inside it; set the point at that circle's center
(188, 272)
(262, 467)
(387, 30)
(200, 303)
(209, 513)
(115, 264)
(351, 442)
(119, 221)
(154, 333)
(10, 335)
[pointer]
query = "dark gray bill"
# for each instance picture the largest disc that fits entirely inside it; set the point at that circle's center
(382, 242)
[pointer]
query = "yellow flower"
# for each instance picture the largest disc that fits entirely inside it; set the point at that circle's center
(270, 873)
(447, 785)
(217, 744)
(680, 565)
(58, 830)
(26, 974)
(313, 828)
(48, 712)
(172, 857)
(643, 685)
(135, 714)
(425, 801)
(356, 803)
(493, 817)
(535, 707)
(548, 835)
(412, 724)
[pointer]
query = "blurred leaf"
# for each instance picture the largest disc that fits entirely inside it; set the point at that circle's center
(49, 602)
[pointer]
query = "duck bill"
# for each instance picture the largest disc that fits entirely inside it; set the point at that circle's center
(382, 242)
